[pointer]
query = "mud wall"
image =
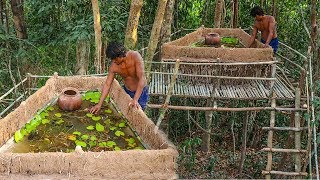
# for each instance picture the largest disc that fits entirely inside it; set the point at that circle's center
(159, 162)
(181, 48)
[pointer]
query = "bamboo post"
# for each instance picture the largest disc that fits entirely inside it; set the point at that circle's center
(273, 75)
(297, 135)
(170, 89)
(29, 83)
(270, 135)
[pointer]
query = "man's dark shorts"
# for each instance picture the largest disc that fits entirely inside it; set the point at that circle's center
(274, 43)
(144, 97)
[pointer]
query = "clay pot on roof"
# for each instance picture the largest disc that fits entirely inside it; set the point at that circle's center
(70, 99)
(212, 39)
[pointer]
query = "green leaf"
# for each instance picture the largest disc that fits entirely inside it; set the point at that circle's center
(89, 115)
(44, 114)
(58, 115)
(93, 138)
(60, 121)
(23, 131)
(102, 144)
(108, 111)
(107, 121)
(72, 137)
(77, 133)
(94, 101)
(50, 108)
(130, 140)
(119, 133)
(81, 143)
(116, 148)
(92, 143)
(139, 148)
(45, 121)
(18, 136)
(122, 124)
(99, 127)
(111, 144)
(90, 127)
(85, 137)
(113, 128)
(96, 118)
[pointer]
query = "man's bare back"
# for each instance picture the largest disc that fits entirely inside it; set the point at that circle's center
(264, 24)
(129, 69)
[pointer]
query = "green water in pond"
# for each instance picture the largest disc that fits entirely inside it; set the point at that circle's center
(54, 130)
(226, 42)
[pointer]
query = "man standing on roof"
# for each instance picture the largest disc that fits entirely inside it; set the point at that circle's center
(129, 65)
(267, 25)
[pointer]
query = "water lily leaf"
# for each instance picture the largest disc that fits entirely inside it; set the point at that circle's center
(30, 127)
(96, 118)
(113, 128)
(58, 115)
(50, 108)
(23, 131)
(45, 121)
(122, 124)
(84, 137)
(99, 127)
(139, 148)
(77, 133)
(116, 148)
(44, 114)
(89, 115)
(130, 140)
(107, 121)
(108, 111)
(60, 121)
(90, 127)
(102, 144)
(119, 133)
(72, 137)
(94, 101)
(81, 143)
(111, 144)
(132, 145)
(18, 136)
(92, 143)
(93, 138)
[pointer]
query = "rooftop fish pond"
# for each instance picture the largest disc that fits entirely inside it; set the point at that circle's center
(226, 42)
(55, 130)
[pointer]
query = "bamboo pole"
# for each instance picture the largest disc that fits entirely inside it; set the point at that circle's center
(14, 88)
(270, 136)
(285, 128)
(192, 108)
(171, 61)
(164, 107)
(284, 173)
(297, 135)
(284, 150)
(303, 56)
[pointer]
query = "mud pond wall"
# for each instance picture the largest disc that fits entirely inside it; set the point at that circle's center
(157, 162)
(181, 48)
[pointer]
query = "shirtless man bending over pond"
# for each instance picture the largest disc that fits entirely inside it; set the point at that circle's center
(129, 65)
(267, 25)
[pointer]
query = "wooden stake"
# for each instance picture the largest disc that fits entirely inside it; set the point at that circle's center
(297, 135)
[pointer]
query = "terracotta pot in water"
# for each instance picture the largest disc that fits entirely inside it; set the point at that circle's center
(212, 39)
(70, 99)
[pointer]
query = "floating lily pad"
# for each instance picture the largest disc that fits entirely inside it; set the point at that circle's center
(96, 118)
(72, 137)
(102, 144)
(92, 143)
(119, 133)
(89, 115)
(94, 101)
(50, 108)
(99, 127)
(122, 124)
(108, 111)
(139, 148)
(93, 138)
(45, 121)
(130, 140)
(84, 137)
(23, 131)
(58, 115)
(113, 128)
(107, 121)
(77, 133)
(44, 114)
(111, 144)
(18, 136)
(90, 127)
(116, 148)
(60, 121)
(81, 143)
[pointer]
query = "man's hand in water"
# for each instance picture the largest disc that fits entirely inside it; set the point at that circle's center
(134, 103)
(95, 109)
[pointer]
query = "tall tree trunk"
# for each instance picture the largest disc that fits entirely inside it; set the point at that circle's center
(235, 14)
(1, 12)
(224, 14)
(83, 55)
(166, 24)
(218, 13)
(274, 8)
(97, 32)
(232, 12)
(131, 36)
(18, 19)
(6, 15)
(155, 34)
(314, 34)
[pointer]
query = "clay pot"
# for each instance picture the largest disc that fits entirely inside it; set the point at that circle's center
(70, 99)
(212, 39)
